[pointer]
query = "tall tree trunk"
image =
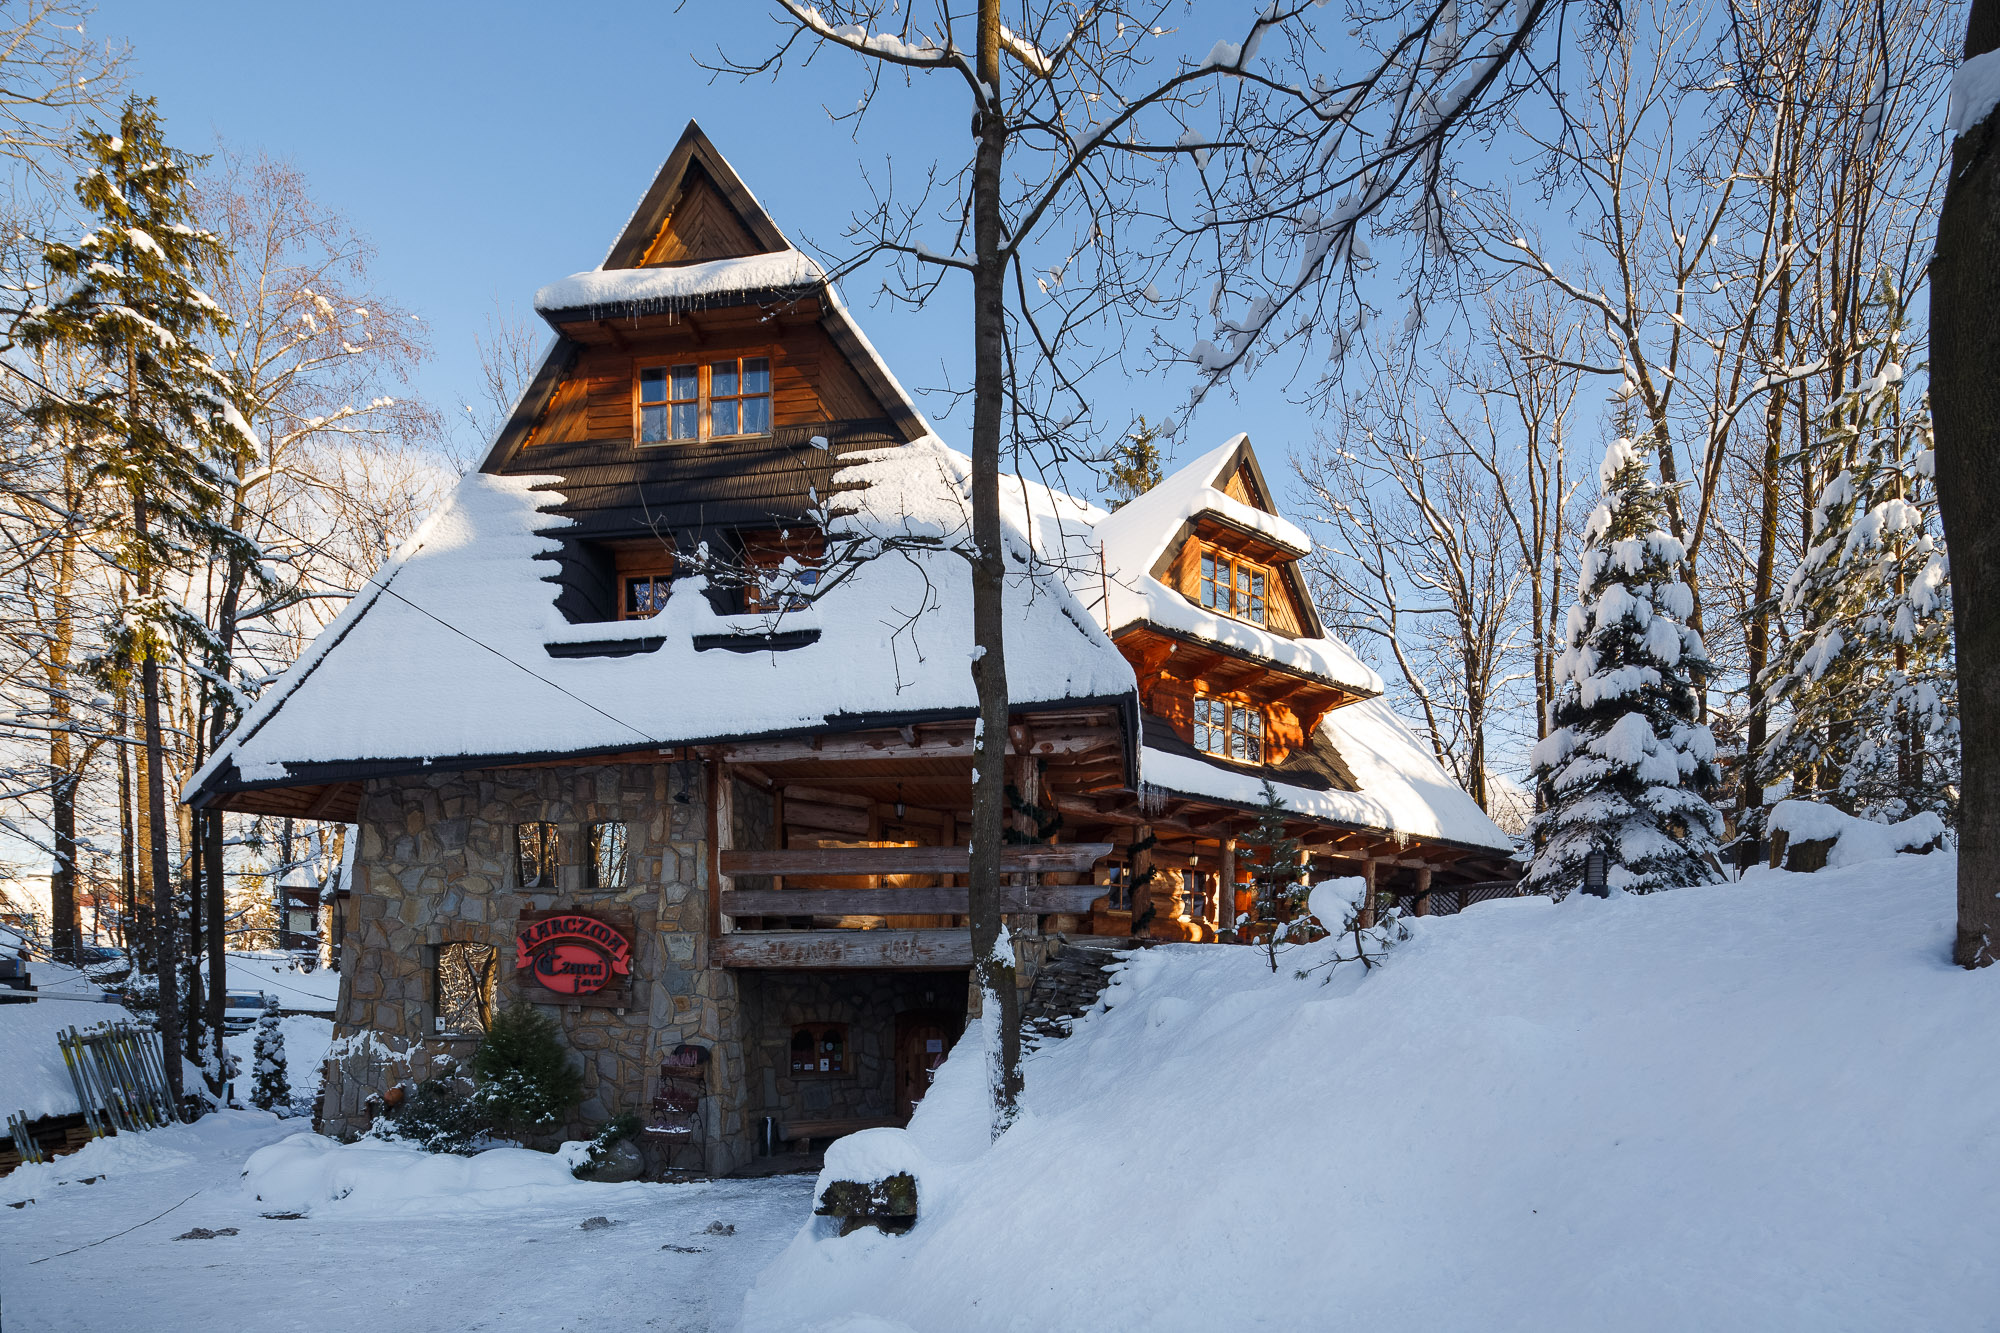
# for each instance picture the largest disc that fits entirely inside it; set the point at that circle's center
(1965, 396)
(166, 953)
(993, 961)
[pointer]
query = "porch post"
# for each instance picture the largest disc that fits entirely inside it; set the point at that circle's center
(1142, 861)
(1368, 877)
(1225, 894)
(1423, 891)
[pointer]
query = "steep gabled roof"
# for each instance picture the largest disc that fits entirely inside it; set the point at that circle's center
(625, 284)
(1141, 538)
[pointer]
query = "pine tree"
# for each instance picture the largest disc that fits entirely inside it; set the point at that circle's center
(1626, 767)
(524, 1075)
(273, 1090)
(133, 299)
(1867, 689)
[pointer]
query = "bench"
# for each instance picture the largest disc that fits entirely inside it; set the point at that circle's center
(798, 1131)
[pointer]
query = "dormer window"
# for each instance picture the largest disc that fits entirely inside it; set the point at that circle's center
(713, 400)
(1232, 586)
(1229, 730)
(645, 595)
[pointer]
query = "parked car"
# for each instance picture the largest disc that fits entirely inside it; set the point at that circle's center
(241, 1009)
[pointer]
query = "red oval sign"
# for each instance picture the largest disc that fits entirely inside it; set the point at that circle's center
(572, 954)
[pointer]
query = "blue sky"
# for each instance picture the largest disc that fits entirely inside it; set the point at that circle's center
(487, 149)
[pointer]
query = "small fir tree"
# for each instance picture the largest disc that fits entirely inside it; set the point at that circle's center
(1626, 768)
(524, 1076)
(1134, 465)
(273, 1090)
(1276, 873)
(1866, 692)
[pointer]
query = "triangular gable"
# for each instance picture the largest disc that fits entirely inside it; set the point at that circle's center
(700, 225)
(695, 168)
(716, 209)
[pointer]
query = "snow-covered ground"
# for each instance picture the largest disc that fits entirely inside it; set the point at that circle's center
(441, 1254)
(1766, 1105)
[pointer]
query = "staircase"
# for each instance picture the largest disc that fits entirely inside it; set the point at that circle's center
(1069, 984)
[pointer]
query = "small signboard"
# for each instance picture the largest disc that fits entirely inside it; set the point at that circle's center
(583, 959)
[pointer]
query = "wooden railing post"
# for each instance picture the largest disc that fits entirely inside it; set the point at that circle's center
(1423, 891)
(1369, 877)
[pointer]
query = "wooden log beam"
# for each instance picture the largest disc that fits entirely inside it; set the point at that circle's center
(903, 902)
(956, 744)
(839, 949)
(1026, 860)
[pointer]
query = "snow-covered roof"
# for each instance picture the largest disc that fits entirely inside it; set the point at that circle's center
(445, 652)
(1402, 788)
(716, 281)
(1140, 533)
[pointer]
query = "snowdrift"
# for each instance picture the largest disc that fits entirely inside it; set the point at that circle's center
(1767, 1105)
(308, 1173)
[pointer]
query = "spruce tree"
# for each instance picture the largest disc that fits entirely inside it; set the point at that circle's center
(1626, 767)
(1134, 465)
(1274, 869)
(131, 296)
(1866, 690)
(273, 1090)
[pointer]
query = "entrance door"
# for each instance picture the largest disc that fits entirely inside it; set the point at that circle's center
(923, 1039)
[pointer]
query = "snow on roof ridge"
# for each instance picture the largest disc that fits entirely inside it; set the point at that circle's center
(601, 288)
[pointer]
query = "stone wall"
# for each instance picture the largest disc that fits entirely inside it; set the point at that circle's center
(437, 865)
(775, 1003)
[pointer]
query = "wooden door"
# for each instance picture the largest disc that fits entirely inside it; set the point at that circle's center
(923, 1039)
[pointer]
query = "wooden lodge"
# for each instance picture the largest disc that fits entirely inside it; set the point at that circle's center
(636, 728)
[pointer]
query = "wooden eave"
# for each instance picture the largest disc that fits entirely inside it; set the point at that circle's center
(1099, 734)
(1150, 647)
(1227, 533)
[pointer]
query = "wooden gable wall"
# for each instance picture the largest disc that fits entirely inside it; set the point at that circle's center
(699, 227)
(1282, 611)
(811, 380)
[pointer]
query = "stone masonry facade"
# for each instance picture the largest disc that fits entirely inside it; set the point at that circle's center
(437, 865)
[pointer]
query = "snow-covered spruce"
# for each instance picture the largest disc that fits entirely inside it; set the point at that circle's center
(1626, 765)
(1865, 696)
(273, 1090)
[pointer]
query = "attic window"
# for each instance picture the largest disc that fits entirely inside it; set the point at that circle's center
(644, 595)
(1233, 586)
(714, 400)
(1228, 730)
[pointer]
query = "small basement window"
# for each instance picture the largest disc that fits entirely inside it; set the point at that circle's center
(463, 980)
(819, 1048)
(607, 855)
(1233, 586)
(535, 855)
(1229, 730)
(714, 400)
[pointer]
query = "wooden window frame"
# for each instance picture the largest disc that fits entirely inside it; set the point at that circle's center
(1239, 719)
(818, 1034)
(704, 399)
(1241, 586)
(615, 875)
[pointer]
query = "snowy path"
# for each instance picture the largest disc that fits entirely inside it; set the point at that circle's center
(531, 1268)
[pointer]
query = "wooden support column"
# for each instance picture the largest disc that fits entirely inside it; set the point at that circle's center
(1423, 891)
(1225, 896)
(1142, 861)
(1025, 776)
(721, 831)
(1369, 877)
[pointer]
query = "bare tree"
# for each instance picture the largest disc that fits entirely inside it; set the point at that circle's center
(1069, 219)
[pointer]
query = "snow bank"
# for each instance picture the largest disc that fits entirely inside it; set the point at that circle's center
(135, 1153)
(1761, 1105)
(1855, 840)
(309, 1172)
(33, 1077)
